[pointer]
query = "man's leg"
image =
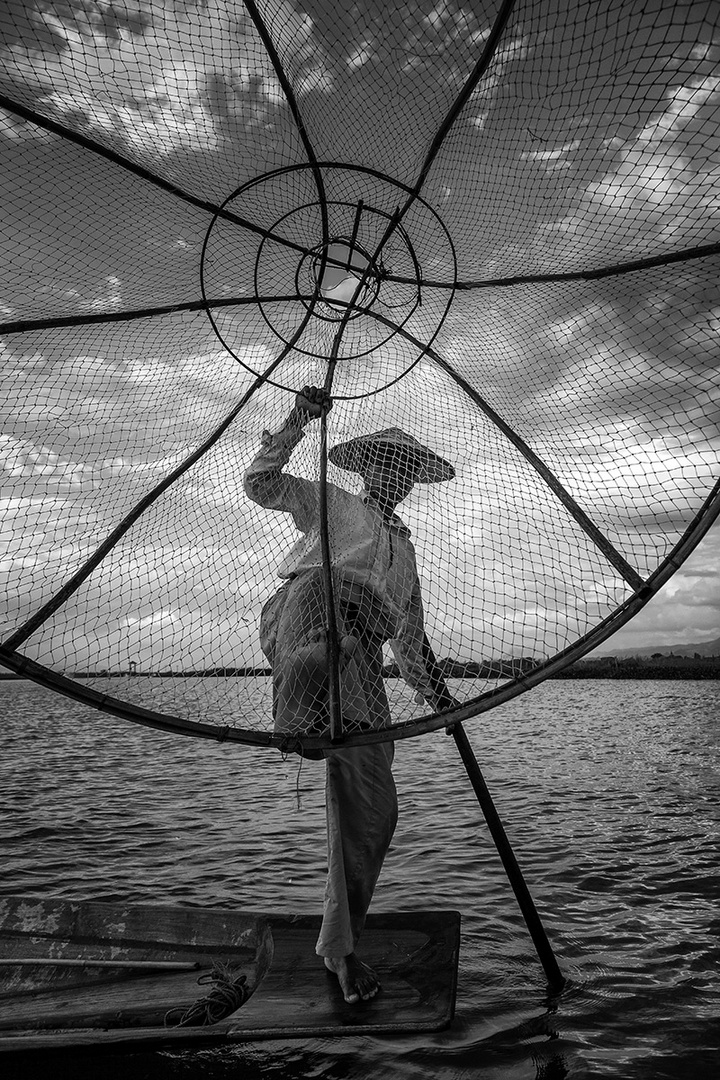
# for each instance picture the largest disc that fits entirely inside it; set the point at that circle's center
(362, 809)
(361, 796)
(300, 665)
(361, 804)
(298, 661)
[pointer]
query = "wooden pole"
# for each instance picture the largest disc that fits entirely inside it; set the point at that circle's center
(333, 639)
(333, 643)
(527, 906)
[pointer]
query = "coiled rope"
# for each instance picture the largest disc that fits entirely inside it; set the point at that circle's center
(229, 992)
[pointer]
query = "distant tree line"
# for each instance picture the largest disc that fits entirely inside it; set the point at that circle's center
(475, 669)
(656, 666)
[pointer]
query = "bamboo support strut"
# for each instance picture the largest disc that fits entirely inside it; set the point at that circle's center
(333, 639)
(139, 965)
(527, 906)
(555, 977)
(333, 642)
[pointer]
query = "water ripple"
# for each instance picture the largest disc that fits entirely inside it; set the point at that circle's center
(610, 796)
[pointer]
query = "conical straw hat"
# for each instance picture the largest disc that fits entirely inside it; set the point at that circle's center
(427, 467)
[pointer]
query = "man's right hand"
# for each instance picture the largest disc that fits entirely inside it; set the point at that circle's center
(311, 402)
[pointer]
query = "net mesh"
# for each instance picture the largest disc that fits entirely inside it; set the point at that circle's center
(491, 227)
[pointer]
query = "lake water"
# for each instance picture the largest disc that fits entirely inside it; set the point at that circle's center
(610, 794)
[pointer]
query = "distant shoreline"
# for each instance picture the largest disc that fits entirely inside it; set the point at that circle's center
(606, 667)
(643, 667)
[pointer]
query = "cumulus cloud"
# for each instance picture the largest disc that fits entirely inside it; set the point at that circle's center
(686, 611)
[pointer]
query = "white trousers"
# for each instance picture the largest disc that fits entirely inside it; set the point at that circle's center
(362, 809)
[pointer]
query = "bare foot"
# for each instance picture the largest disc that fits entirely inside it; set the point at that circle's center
(357, 980)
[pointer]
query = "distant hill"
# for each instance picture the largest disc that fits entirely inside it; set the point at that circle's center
(702, 648)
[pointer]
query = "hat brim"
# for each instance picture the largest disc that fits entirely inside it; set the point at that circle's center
(425, 466)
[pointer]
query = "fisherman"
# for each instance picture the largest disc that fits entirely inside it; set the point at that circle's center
(377, 596)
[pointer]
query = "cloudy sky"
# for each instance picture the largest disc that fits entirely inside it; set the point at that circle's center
(590, 141)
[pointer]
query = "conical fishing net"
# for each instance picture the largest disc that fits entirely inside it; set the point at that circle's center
(491, 227)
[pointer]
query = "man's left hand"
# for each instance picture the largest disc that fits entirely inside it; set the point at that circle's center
(311, 402)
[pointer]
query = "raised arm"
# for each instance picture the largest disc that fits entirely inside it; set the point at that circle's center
(267, 484)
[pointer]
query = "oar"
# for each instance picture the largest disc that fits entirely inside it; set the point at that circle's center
(140, 965)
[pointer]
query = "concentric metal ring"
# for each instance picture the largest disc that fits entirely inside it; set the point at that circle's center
(370, 260)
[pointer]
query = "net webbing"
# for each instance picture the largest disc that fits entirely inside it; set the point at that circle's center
(496, 224)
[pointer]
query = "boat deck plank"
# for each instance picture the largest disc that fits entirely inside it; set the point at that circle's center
(414, 953)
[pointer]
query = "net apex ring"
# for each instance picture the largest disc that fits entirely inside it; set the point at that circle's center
(369, 260)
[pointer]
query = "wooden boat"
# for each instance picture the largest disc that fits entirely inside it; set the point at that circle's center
(71, 966)
(75, 973)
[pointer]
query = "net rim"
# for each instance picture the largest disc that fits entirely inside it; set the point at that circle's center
(26, 667)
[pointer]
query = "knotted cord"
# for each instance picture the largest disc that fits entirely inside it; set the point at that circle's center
(229, 992)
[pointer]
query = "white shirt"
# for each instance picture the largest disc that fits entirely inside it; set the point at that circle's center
(370, 549)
